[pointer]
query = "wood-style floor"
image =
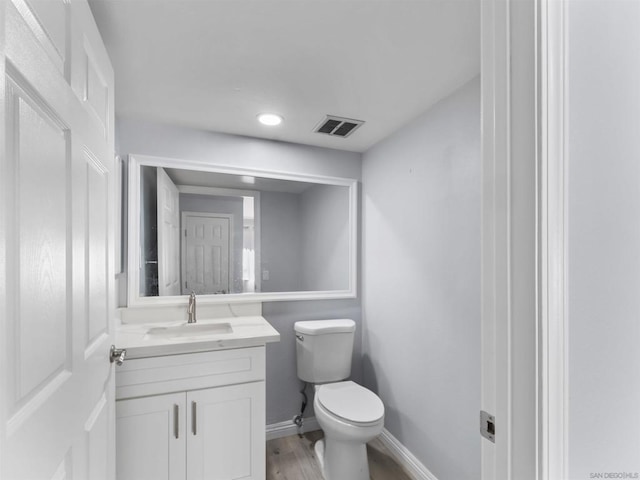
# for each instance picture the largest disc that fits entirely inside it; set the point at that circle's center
(293, 458)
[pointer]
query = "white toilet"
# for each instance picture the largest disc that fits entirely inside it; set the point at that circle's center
(349, 414)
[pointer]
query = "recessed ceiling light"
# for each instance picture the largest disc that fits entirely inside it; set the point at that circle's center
(270, 119)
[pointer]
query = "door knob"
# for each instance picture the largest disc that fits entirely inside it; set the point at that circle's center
(117, 355)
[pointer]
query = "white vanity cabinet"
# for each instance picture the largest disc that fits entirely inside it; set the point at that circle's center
(196, 416)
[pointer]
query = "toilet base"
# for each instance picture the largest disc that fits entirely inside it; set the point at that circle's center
(342, 460)
(319, 449)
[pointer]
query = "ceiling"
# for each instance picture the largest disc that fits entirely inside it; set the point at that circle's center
(216, 64)
(198, 178)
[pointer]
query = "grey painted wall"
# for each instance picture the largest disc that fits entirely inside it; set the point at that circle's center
(325, 238)
(280, 241)
(144, 138)
(604, 238)
(421, 269)
(162, 140)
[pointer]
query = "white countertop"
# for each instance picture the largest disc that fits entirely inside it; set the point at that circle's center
(245, 332)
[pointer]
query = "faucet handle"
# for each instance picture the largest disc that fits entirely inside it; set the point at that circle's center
(191, 308)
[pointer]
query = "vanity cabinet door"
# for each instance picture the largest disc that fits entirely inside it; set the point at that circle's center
(226, 437)
(151, 438)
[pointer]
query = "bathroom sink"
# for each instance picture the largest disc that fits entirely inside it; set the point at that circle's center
(190, 330)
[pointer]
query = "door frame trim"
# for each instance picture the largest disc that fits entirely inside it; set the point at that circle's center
(553, 395)
(496, 247)
(542, 42)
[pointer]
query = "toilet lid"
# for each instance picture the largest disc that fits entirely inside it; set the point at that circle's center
(351, 402)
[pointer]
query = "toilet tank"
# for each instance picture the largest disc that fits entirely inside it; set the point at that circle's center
(324, 349)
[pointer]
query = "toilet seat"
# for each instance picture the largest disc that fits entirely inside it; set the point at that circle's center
(351, 402)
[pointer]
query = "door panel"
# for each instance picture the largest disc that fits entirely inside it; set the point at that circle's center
(97, 436)
(96, 195)
(228, 438)
(96, 91)
(56, 244)
(40, 152)
(49, 22)
(151, 435)
(62, 472)
(168, 235)
(207, 266)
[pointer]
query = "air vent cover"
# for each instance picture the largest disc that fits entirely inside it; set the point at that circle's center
(337, 126)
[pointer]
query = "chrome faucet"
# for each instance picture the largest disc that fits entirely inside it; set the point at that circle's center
(191, 309)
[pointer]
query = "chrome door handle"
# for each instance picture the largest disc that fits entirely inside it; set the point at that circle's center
(117, 355)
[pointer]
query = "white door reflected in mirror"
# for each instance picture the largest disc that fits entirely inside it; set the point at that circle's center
(168, 235)
(206, 261)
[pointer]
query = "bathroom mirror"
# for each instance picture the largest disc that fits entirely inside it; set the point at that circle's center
(237, 235)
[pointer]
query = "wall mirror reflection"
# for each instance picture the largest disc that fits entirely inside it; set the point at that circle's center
(238, 234)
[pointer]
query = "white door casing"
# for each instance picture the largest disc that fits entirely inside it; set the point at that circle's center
(207, 258)
(495, 203)
(523, 249)
(57, 240)
(553, 128)
(168, 235)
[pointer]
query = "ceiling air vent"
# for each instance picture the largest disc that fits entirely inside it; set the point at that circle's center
(337, 126)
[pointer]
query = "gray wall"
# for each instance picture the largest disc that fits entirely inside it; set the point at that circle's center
(604, 238)
(283, 399)
(280, 241)
(325, 238)
(421, 269)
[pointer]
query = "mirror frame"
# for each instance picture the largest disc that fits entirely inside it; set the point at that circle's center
(133, 238)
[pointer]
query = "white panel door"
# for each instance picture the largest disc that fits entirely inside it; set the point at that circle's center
(151, 438)
(207, 266)
(56, 243)
(168, 235)
(226, 433)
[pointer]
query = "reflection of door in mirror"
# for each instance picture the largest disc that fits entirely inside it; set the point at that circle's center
(206, 262)
(168, 236)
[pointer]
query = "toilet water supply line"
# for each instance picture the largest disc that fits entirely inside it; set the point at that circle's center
(298, 419)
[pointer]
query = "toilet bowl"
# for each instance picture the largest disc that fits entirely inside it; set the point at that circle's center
(350, 416)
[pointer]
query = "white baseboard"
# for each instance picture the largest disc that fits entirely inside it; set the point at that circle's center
(286, 428)
(405, 458)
